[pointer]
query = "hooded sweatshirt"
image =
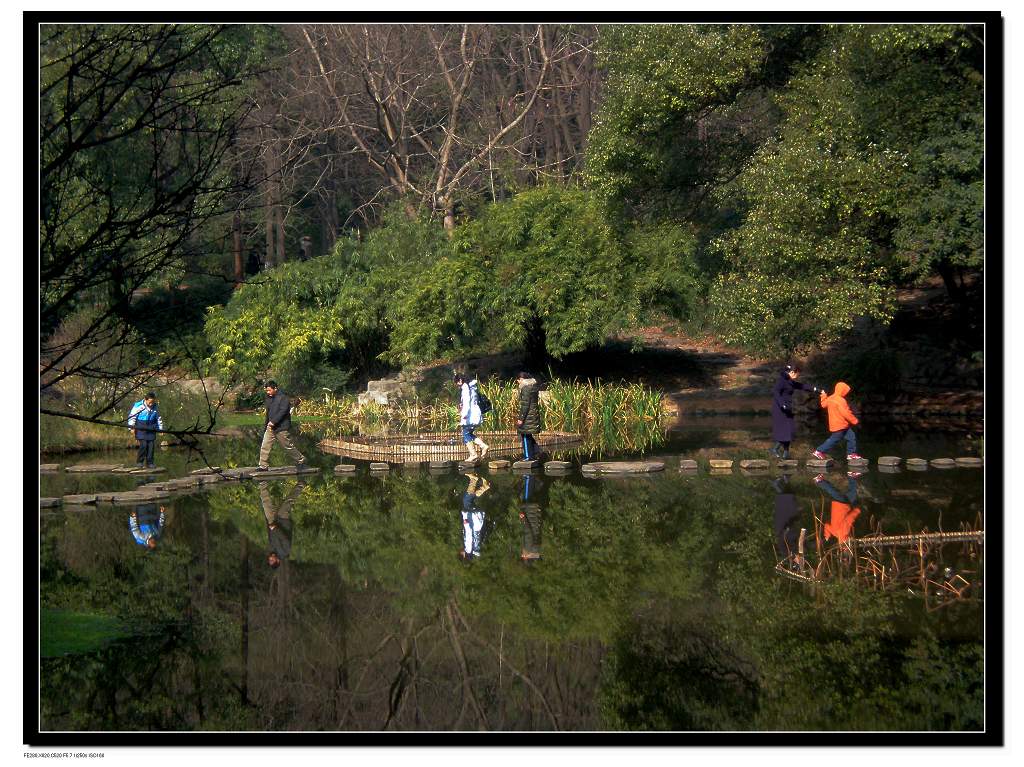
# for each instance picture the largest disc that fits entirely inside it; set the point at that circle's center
(839, 414)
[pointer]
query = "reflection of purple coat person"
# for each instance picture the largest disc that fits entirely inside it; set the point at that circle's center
(783, 423)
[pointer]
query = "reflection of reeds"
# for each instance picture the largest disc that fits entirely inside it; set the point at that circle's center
(911, 562)
(611, 417)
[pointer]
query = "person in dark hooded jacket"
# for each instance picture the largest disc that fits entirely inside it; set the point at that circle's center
(528, 418)
(783, 423)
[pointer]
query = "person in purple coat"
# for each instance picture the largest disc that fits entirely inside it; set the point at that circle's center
(783, 423)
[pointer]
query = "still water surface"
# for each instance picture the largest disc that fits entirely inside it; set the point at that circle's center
(420, 601)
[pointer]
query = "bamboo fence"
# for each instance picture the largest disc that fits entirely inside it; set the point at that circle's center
(440, 446)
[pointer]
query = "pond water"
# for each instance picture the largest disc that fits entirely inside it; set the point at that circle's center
(422, 601)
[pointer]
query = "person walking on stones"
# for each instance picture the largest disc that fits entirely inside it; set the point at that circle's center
(469, 414)
(528, 422)
(841, 421)
(278, 423)
(783, 422)
(145, 421)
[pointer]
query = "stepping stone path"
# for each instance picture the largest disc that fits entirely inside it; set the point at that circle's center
(500, 464)
(49, 503)
(344, 468)
(717, 463)
(557, 467)
(917, 464)
(970, 461)
(47, 468)
(139, 497)
(521, 465)
(91, 468)
(817, 463)
(80, 499)
(380, 466)
(623, 467)
(687, 464)
(440, 464)
(858, 462)
(755, 463)
(788, 463)
(208, 470)
(889, 460)
(943, 463)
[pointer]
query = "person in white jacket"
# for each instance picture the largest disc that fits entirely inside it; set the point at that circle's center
(470, 415)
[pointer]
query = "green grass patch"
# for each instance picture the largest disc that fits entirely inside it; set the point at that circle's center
(64, 632)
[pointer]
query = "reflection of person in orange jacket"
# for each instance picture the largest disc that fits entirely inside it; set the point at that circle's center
(841, 421)
(844, 507)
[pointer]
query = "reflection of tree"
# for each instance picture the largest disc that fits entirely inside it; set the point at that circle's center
(652, 609)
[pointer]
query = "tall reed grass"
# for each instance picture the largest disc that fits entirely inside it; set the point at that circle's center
(609, 416)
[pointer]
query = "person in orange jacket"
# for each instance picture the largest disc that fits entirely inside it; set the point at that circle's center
(841, 421)
(844, 507)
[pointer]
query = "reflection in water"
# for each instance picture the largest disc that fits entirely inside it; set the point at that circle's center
(844, 507)
(656, 606)
(473, 517)
(788, 547)
(531, 515)
(146, 522)
(279, 522)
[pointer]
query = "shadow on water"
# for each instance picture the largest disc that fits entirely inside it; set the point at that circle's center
(509, 601)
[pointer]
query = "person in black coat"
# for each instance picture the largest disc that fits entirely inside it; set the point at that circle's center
(783, 423)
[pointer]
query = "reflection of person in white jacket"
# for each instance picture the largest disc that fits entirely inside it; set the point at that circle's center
(470, 415)
(472, 517)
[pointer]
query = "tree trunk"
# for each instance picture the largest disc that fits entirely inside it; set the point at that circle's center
(536, 343)
(237, 244)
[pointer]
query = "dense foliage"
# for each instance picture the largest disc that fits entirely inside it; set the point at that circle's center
(544, 271)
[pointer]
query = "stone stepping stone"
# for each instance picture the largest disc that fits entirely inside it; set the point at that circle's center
(943, 463)
(787, 463)
(890, 460)
(720, 472)
(755, 463)
(623, 467)
(917, 464)
(720, 463)
(49, 503)
(380, 466)
(970, 461)
(80, 499)
(91, 468)
(818, 463)
(526, 465)
(464, 465)
(47, 468)
(440, 464)
(105, 497)
(890, 469)
(135, 497)
(499, 464)
(344, 468)
(558, 467)
(208, 470)
(858, 462)
(154, 470)
(688, 464)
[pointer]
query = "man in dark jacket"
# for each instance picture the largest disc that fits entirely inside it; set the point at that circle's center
(277, 424)
(528, 422)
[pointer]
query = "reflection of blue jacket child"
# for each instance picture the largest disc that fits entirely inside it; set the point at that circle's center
(473, 518)
(146, 524)
(144, 420)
